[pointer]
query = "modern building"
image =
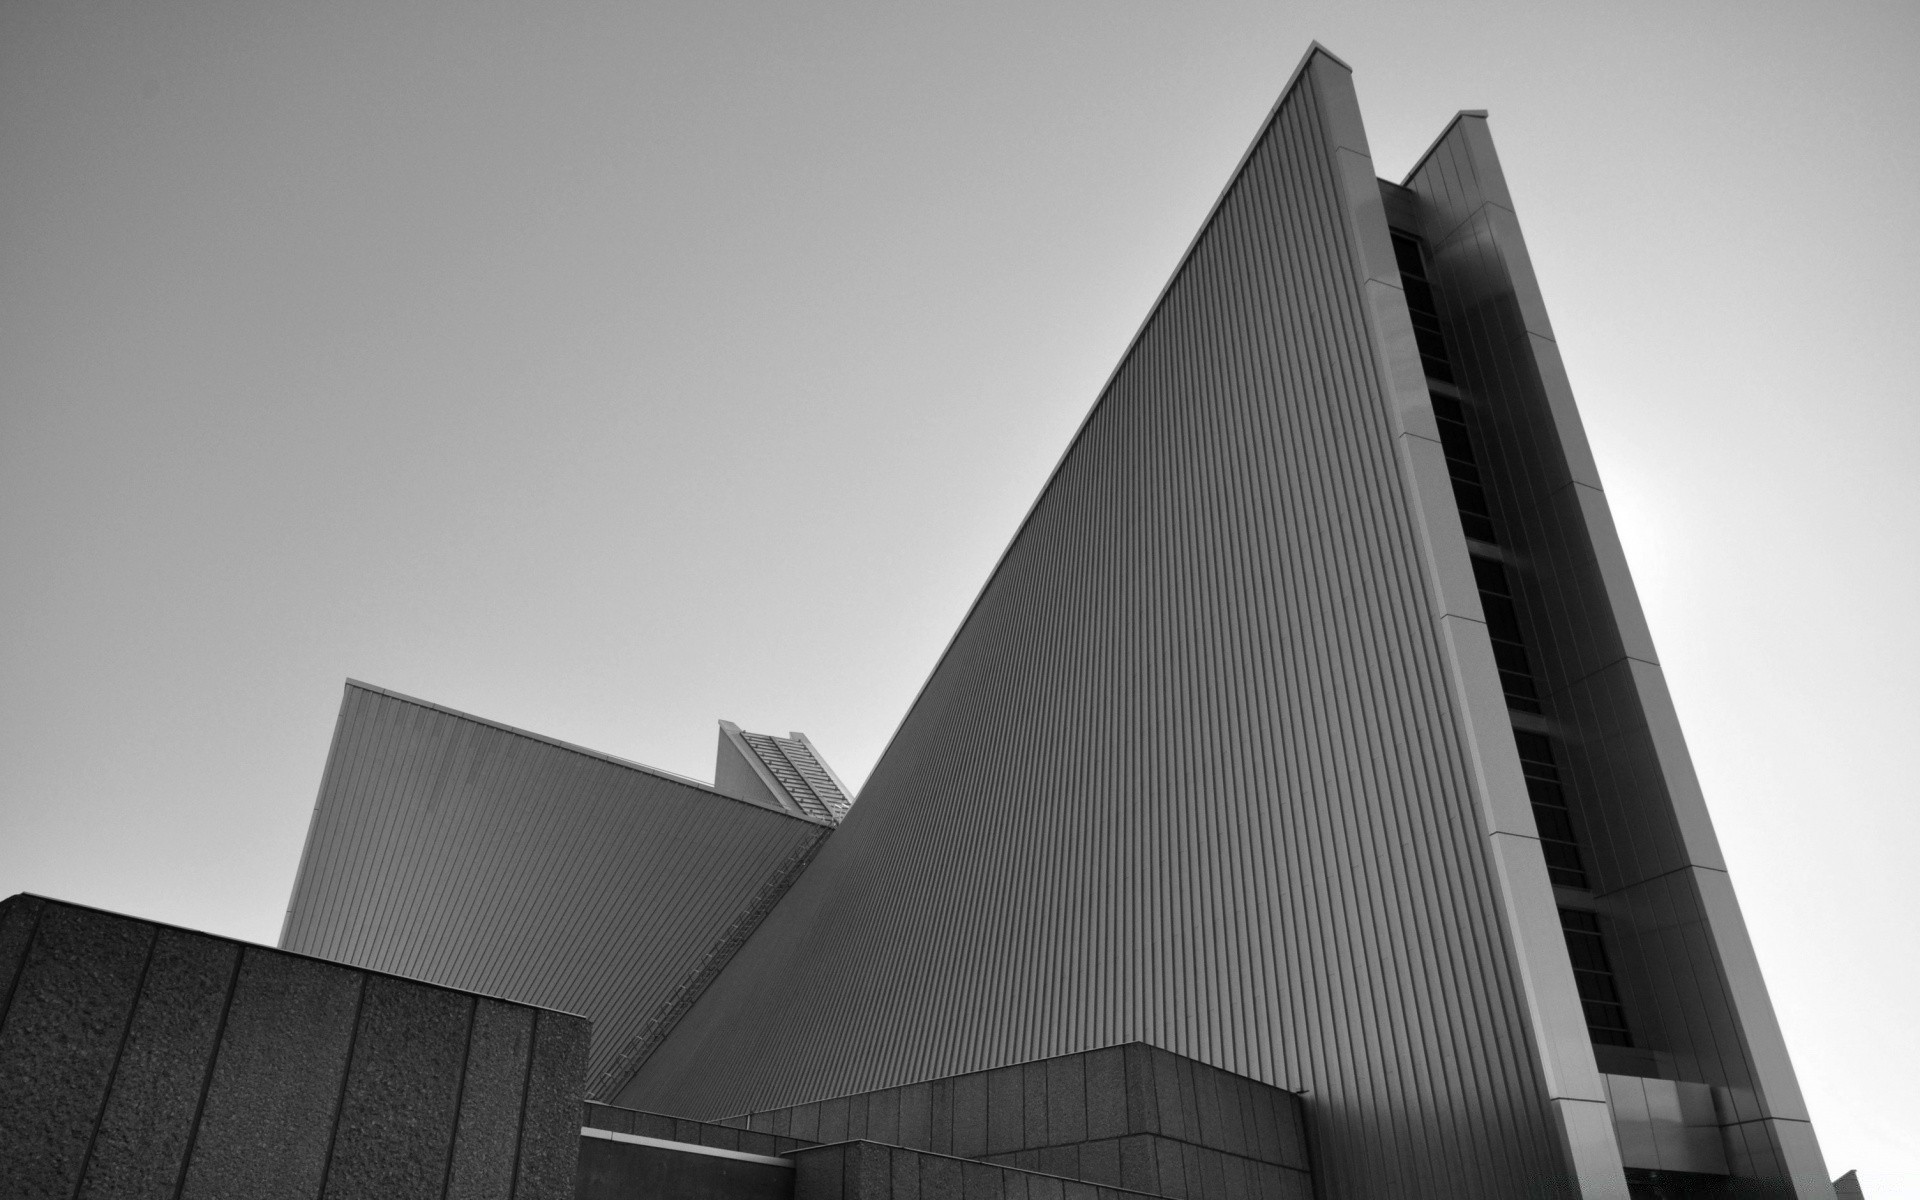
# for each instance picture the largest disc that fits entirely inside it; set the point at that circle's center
(1308, 740)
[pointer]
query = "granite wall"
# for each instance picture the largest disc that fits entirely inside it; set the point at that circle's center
(140, 1060)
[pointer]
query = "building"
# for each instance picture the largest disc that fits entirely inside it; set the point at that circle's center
(1309, 732)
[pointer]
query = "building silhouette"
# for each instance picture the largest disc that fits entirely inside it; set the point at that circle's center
(1308, 733)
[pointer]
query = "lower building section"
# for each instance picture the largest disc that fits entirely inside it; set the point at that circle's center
(137, 1059)
(1131, 1120)
(621, 1166)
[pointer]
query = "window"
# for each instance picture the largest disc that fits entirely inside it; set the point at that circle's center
(1422, 308)
(1550, 814)
(1503, 626)
(1469, 495)
(1593, 975)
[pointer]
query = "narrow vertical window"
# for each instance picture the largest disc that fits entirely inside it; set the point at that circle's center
(1550, 813)
(1593, 975)
(1463, 471)
(1503, 627)
(1422, 308)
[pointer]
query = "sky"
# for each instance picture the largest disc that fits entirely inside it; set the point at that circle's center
(611, 369)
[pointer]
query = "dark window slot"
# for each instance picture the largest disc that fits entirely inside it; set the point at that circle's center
(1593, 976)
(1550, 814)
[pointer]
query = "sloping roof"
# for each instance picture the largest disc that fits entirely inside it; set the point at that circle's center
(466, 853)
(779, 772)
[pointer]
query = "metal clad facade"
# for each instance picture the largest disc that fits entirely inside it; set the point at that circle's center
(1193, 771)
(1692, 985)
(451, 850)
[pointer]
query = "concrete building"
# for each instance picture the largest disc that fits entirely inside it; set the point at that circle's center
(1299, 810)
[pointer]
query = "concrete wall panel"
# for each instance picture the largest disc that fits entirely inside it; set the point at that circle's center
(267, 1123)
(141, 1144)
(550, 1118)
(142, 1062)
(396, 1124)
(59, 1040)
(489, 1131)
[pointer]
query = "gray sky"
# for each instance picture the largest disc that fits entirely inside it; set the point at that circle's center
(610, 369)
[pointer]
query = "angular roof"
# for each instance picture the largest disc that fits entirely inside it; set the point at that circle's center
(784, 773)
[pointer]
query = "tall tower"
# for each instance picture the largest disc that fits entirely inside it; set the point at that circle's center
(1310, 728)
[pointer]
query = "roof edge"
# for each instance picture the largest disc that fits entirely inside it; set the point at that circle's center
(332, 962)
(1405, 180)
(1314, 49)
(599, 755)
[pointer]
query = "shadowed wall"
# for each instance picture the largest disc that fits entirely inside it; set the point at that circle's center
(141, 1060)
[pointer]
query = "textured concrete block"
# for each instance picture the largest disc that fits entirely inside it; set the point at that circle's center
(489, 1126)
(1106, 1093)
(939, 1178)
(833, 1119)
(142, 1139)
(1063, 1161)
(805, 1123)
(883, 1117)
(980, 1181)
(1166, 1089)
(916, 1116)
(819, 1174)
(608, 1116)
(1237, 1181)
(1142, 1110)
(751, 1142)
(1006, 1109)
(1206, 1108)
(940, 1124)
(1183, 1071)
(1190, 1167)
(868, 1172)
(857, 1107)
(1264, 1114)
(395, 1130)
(970, 1116)
(1267, 1182)
(1292, 1126)
(1066, 1100)
(1045, 1187)
(549, 1140)
(1139, 1172)
(270, 1104)
(1172, 1166)
(1100, 1162)
(1213, 1175)
(720, 1137)
(903, 1172)
(654, 1125)
(1297, 1185)
(18, 915)
(1033, 1105)
(72, 998)
(622, 1171)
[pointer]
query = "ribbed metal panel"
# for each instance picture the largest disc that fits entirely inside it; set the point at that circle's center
(1694, 995)
(455, 851)
(1190, 773)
